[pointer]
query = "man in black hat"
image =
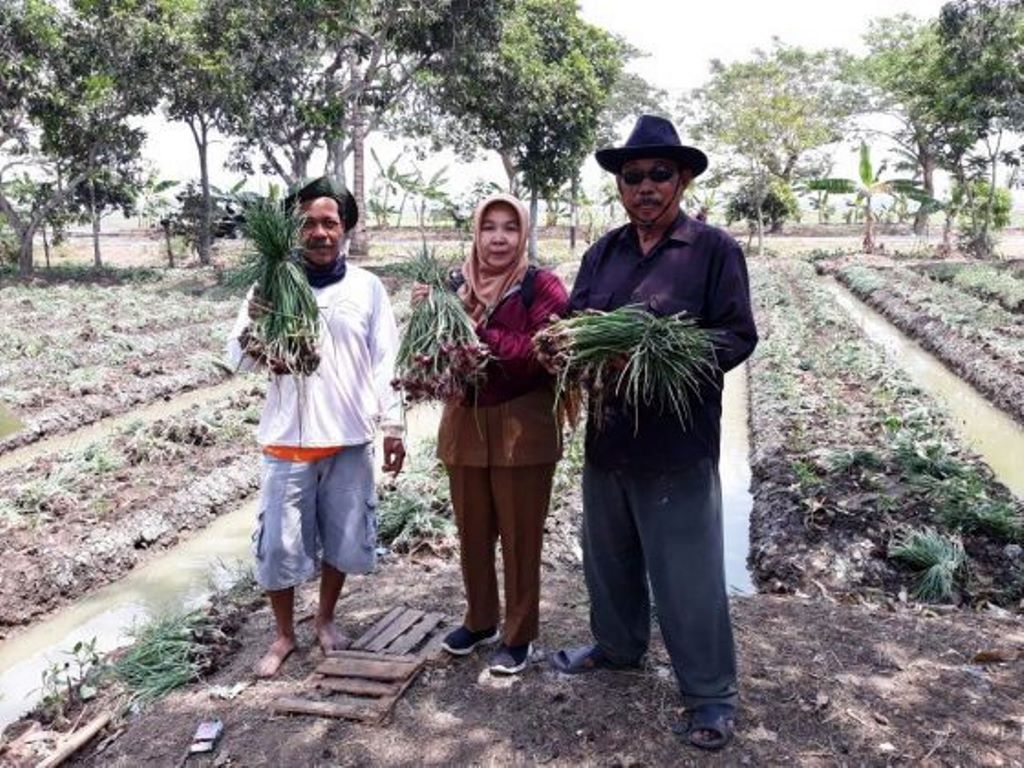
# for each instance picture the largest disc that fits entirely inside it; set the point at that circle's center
(317, 496)
(652, 502)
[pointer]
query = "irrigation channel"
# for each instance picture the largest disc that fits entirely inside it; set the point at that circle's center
(184, 577)
(989, 432)
(9, 424)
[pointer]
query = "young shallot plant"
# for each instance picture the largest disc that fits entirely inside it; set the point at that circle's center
(649, 361)
(936, 558)
(285, 336)
(440, 356)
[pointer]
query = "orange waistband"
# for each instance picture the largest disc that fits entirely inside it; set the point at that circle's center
(296, 453)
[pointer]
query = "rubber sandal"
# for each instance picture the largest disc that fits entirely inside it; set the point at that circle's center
(575, 661)
(717, 718)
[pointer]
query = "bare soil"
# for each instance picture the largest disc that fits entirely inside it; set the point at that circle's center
(822, 683)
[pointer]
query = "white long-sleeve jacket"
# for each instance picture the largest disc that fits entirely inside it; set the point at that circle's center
(350, 392)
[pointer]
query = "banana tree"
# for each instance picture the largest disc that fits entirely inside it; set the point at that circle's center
(869, 186)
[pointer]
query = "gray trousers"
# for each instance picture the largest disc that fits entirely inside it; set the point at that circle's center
(668, 527)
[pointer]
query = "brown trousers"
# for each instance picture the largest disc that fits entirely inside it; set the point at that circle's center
(509, 503)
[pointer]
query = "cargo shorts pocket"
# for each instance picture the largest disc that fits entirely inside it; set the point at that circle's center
(257, 538)
(370, 542)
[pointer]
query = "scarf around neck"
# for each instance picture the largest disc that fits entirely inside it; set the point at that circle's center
(321, 277)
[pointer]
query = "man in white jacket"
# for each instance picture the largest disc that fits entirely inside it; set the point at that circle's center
(318, 500)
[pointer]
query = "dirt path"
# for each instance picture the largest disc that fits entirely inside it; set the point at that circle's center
(822, 684)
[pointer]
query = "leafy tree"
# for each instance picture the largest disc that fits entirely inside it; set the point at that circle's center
(777, 206)
(772, 112)
(324, 74)
(537, 98)
(982, 49)
(903, 67)
(88, 67)
(867, 187)
(202, 91)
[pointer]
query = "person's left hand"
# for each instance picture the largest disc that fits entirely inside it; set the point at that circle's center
(394, 455)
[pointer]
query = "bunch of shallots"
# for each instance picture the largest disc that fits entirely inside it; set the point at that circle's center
(440, 356)
(649, 361)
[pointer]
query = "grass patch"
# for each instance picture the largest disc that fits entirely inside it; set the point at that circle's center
(936, 559)
(415, 510)
(167, 654)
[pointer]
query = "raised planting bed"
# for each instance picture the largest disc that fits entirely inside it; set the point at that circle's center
(976, 338)
(76, 520)
(851, 462)
(77, 353)
(993, 281)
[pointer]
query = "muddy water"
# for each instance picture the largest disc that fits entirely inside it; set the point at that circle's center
(734, 467)
(993, 435)
(181, 579)
(105, 427)
(9, 424)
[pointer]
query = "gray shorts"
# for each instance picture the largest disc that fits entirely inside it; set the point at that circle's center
(315, 510)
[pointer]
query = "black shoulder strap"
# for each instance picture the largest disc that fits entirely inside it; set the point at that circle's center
(527, 289)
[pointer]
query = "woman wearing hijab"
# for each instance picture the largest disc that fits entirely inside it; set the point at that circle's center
(501, 442)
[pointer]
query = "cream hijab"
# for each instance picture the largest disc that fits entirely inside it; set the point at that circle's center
(488, 279)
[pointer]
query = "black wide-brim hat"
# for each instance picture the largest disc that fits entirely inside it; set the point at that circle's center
(652, 136)
(324, 186)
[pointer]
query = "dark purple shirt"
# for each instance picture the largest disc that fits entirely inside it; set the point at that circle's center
(695, 268)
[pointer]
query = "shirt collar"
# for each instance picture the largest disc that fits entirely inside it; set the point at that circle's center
(683, 230)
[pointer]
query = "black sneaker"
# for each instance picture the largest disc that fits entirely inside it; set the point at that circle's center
(508, 660)
(462, 641)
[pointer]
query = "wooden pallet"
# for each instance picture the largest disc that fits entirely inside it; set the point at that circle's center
(364, 682)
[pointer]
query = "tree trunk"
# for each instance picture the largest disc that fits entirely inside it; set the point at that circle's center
(573, 212)
(869, 228)
(25, 264)
(510, 172)
(759, 223)
(359, 244)
(94, 215)
(46, 247)
(533, 226)
(928, 164)
(200, 135)
(335, 165)
(170, 250)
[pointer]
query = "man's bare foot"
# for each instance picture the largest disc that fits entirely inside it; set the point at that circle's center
(331, 638)
(274, 657)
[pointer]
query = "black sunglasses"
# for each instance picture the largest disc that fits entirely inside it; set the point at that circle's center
(657, 175)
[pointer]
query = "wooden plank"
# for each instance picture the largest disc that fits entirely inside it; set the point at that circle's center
(386, 705)
(379, 626)
(358, 686)
(68, 746)
(368, 668)
(432, 650)
(416, 633)
(348, 709)
(349, 654)
(398, 626)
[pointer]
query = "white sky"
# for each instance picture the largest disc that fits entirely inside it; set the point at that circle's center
(680, 38)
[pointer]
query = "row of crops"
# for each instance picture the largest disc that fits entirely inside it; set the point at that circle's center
(860, 484)
(74, 353)
(962, 314)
